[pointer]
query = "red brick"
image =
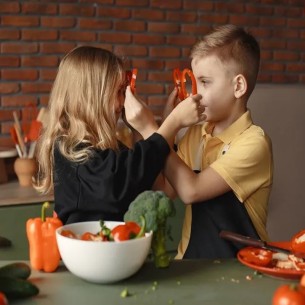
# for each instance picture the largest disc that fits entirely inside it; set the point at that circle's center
(289, 11)
(131, 25)
(296, 45)
(130, 50)
(286, 56)
(181, 40)
(36, 87)
(114, 38)
(9, 61)
(284, 78)
(195, 29)
(255, 9)
(199, 5)
(296, 67)
(132, 3)
(286, 34)
(94, 23)
(214, 18)
(56, 48)
(9, 34)
(181, 16)
(18, 100)
(58, 22)
(160, 76)
(6, 141)
(156, 104)
(24, 74)
(296, 23)
(244, 20)
(271, 22)
(272, 66)
(186, 52)
(6, 115)
(148, 14)
(76, 10)
(35, 35)
(264, 77)
(10, 7)
(38, 8)
(266, 55)
(98, 1)
(273, 44)
(114, 12)
(44, 100)
(8, 88)
(19, 21)
(39, 61)
(163, 27)
(164, 52)
(48, 74)
(150, 88)
(229, 8)
(19, 47)
(149, 39)
(259, 32)
(148, 63)
(181, 64)
(77, 35)
(166, 4)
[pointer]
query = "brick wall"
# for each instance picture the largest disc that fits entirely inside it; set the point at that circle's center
(153, 35)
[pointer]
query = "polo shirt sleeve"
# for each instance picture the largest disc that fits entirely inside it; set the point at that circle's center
(247, 165)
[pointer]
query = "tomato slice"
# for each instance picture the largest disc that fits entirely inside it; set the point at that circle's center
(68, 233)
(257, 256)
(126, 231)
(87, 236)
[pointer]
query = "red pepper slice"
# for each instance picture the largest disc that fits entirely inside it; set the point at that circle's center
(87, 236)
(68, 233)
(257, 256)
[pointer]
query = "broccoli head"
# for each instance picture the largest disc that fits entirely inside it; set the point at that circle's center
(155, 207)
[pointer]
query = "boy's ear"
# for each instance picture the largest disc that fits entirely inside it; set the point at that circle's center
(240, 86)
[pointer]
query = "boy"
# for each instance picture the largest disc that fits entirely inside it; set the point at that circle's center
(231, 156)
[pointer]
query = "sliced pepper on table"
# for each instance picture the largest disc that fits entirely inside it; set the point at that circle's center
(257, 256)
(43, 249)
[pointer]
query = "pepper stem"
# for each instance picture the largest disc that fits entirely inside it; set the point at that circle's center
(45, 206)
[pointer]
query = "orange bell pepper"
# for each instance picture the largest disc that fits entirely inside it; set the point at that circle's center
(44, 253)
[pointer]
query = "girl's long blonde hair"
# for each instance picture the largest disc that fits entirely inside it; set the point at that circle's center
(81, 109)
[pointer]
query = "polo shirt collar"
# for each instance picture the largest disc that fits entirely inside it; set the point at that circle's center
(238, 127)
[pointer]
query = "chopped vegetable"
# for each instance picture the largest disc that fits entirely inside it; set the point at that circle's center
(155, 207)
(44, 253)
(298, 242)
(125, 293)
(3, 299)
(257, 256)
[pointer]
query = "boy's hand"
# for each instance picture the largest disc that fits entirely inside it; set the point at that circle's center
(138, 115)
(170, 104)
(189, 111)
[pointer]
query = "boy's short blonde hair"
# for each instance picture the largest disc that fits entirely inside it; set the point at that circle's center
(232, 43)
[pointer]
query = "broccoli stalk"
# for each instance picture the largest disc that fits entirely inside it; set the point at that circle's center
(155, 207)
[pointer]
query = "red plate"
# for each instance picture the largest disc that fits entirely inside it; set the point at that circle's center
(275, 272)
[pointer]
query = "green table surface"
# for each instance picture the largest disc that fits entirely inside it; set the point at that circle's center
(187, 282)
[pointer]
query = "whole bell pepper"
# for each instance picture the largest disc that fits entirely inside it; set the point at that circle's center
(44, 253)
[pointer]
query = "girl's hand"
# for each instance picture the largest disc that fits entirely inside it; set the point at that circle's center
(138, 115)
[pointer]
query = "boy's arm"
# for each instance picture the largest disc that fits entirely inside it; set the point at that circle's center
(191, 187)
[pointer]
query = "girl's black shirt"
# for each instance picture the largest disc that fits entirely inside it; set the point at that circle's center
(105, 185)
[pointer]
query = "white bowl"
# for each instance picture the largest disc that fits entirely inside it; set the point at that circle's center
(101, 262)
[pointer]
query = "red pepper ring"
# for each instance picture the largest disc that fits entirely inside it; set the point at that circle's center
(180, 82)
(257, 256)
(183, 83)
(131, 76)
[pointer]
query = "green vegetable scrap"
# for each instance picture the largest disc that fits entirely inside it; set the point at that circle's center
(155, 207)
(125, 293)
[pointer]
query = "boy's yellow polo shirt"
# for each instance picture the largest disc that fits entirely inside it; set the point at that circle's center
(242, 156)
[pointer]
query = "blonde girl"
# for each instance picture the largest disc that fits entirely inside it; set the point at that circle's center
(92, 174)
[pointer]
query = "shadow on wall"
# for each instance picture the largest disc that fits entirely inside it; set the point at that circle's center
(280, 111)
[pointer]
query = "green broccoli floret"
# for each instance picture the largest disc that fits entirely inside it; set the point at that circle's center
(156, 207)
